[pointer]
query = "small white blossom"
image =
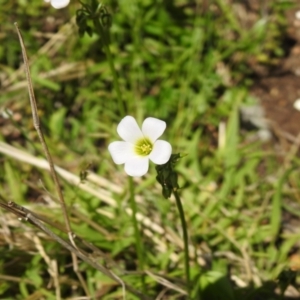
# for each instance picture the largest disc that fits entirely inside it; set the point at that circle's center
(58, 4)
(140, 145)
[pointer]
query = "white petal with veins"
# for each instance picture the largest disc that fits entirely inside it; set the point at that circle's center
(120, 152)
(137, 166)
(129, 130)
(153, 128)
(161, 152)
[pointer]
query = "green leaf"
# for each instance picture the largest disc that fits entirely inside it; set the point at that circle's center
(277, 205)
(34, 276)
(51, 85)
(57, 123)
(14, 181)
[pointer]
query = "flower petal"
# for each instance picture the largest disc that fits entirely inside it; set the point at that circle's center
(161, 152)
(58, 4)
(137, 166)
(129, 130)
(153, 128)
(121, 152)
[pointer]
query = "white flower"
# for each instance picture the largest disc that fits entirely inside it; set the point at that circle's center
(58, 4)
(140, 145)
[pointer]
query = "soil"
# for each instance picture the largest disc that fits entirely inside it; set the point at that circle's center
(278, 91)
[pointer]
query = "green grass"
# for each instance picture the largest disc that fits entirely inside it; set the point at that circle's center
(175, 60)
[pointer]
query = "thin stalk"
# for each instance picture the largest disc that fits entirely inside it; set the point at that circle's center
(138, 240)
(109, 56)
(36, 124)
(185, 241)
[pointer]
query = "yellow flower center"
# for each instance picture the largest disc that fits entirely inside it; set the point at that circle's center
(143, 147)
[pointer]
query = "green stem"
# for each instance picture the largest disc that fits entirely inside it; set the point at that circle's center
(109, 56)
(138, 240)
(185, 241)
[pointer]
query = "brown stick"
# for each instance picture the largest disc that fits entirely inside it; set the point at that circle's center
(28, 215)
(36, 123)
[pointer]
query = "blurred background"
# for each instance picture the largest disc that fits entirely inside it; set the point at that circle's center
(224, 76)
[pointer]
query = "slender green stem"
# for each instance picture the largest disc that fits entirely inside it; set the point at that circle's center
(138, 240)
(109, 56)
(185, 241)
